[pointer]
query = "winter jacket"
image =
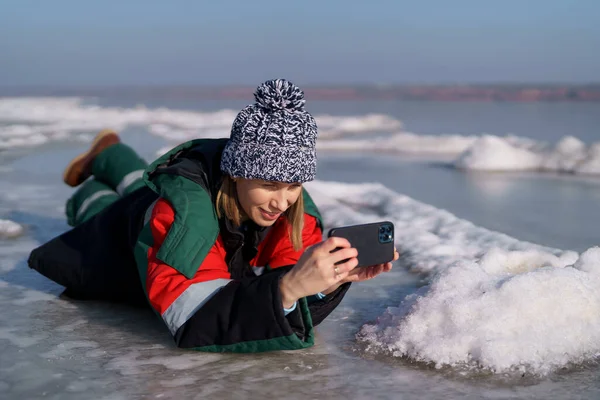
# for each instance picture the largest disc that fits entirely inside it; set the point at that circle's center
(215, 286)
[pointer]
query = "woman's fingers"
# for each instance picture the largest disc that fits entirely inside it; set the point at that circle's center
(376, 270)
(333, 243)
(342, 276)
(342, 254)
(346, 266)
(335, 250)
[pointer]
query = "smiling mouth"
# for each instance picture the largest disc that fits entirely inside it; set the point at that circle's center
(270, 214)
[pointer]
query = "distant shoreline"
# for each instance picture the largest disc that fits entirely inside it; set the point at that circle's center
(449, 93)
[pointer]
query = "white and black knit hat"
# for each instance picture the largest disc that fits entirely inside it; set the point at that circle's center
(273, 139)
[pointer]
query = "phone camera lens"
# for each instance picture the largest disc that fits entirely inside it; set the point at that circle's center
(388, 229)
(382, 229)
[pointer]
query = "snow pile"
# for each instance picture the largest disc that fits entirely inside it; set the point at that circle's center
(39, 120)
(10, 229)
(523, 311)
(493, 153)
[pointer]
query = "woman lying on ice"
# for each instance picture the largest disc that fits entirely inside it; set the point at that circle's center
(225, 241)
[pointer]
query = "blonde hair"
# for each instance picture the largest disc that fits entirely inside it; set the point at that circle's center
(228, 205)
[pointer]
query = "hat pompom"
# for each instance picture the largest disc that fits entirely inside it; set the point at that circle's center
(280, 94)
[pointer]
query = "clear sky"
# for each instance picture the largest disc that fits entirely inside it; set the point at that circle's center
(112, 42)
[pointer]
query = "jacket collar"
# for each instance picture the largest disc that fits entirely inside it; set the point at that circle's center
(241, 245)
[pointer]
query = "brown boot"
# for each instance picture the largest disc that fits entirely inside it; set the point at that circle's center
(80, 168)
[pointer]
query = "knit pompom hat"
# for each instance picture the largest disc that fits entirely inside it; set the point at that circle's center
(273, 139)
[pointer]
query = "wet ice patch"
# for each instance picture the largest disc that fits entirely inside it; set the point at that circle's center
(10, 229)
(177, 382)
(13, 251)
(511, 311)
(72, 326)
(65, 349)
(133, 362)
(31, 296)
(18, 338)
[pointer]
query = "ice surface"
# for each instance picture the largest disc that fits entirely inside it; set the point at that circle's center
(60, 349)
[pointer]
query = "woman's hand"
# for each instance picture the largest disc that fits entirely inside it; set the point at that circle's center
(364, 273)
(317, 270)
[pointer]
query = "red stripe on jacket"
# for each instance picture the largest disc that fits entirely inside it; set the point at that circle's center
(165, 284)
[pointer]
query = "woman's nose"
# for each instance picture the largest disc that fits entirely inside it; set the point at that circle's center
(280, 201)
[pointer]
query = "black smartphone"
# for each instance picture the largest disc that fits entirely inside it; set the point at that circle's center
(374, 241)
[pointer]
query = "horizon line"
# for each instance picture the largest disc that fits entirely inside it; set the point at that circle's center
(305, 85)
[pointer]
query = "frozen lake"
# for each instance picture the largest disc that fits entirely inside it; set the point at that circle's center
(495, 249)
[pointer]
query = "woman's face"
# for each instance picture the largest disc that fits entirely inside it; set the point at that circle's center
(265, 201)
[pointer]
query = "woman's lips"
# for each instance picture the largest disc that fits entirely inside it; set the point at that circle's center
(269, 216)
